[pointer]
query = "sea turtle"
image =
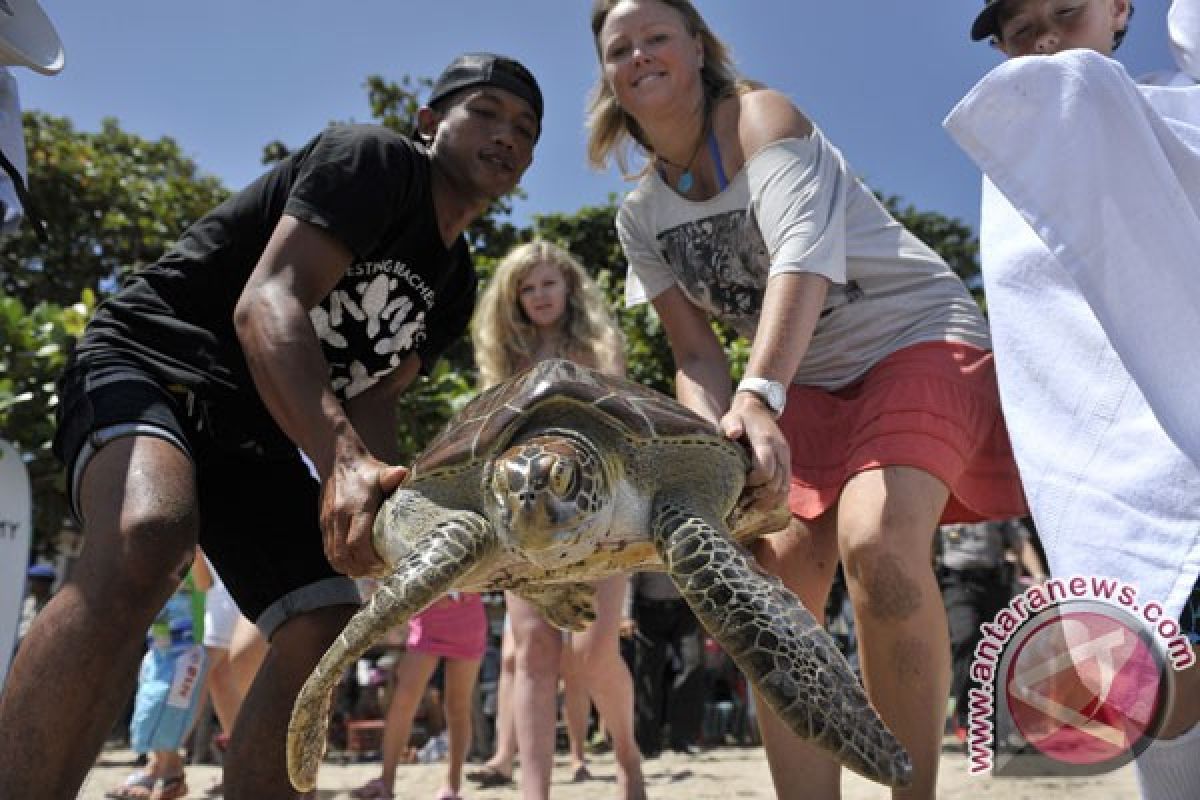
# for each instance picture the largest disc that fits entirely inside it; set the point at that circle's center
(563, 475)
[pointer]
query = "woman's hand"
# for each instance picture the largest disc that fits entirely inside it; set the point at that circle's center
(350, 498)
(771, 468)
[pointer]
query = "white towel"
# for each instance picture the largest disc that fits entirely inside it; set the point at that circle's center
(1110, 492)
(1112, 186)
(1094, 298)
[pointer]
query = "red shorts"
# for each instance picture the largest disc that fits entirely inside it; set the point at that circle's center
(451, 628)
(934, 406)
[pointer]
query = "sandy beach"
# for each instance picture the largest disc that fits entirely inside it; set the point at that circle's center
(719, 774)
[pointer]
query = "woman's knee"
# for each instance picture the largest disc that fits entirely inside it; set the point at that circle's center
(886, 578)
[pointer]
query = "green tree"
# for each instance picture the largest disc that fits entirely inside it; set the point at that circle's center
(34, 344)
(113, 202)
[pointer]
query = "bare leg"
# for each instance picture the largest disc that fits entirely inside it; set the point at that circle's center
(246, 654)
(257, 763)
(599, 663)
(577, 709)
(886, 522)
(539, 648)
(222, 688)
(506, 731)
(413, 672)
(138, 496)
(461, 677)
(805, 559)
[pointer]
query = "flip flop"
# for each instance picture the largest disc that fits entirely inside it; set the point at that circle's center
(172, 788)
(372, 790)
(137, 786)
(489, 777)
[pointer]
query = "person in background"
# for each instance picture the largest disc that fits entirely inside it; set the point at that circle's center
(976, 563)
(452, 631)
(1088, 239)
(868, 400)
(290, 317)
(539, 305)
(40, 580)
(169, 694)
(668, 672)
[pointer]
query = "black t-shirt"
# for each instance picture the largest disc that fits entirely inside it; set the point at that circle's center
(404, 292)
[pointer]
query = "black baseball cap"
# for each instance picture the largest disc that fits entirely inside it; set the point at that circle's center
(488, 69)
(987, 23)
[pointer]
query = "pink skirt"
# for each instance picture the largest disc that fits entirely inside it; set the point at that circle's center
(451, 628)
(934, 406)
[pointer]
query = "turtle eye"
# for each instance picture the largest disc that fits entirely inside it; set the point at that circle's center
(562, 477)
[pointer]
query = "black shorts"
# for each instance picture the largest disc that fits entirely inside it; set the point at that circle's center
(258, 506)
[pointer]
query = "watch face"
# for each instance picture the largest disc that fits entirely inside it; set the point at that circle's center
(776, 396)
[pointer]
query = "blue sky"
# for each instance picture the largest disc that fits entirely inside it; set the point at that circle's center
(226, 76)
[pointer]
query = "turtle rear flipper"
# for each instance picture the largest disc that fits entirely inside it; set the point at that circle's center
(566, 606)
(454, 546)
(792, 662)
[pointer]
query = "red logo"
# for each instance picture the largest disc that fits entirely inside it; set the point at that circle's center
(1086, 688)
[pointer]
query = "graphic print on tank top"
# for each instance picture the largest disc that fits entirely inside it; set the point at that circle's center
(369, 323)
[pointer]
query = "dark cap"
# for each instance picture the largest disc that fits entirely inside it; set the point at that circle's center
(986, 24)
(488, 69)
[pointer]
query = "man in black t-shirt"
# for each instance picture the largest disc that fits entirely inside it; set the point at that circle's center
(288, 319)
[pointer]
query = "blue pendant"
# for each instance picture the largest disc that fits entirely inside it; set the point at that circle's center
(685, 182)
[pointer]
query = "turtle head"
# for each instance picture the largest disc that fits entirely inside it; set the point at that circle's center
(550, 496)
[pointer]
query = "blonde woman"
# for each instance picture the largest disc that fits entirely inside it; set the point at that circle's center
(541, 304)
(869, 398)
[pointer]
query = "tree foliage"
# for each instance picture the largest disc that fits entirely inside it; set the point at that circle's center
(34, 343)
(113, 202)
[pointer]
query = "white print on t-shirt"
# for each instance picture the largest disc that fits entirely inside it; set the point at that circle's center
(379, 315)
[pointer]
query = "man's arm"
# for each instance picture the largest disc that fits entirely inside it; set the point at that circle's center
(300, 265)
(373, 413)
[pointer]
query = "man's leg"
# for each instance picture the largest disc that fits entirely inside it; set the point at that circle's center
(138, 499)
(257, 765)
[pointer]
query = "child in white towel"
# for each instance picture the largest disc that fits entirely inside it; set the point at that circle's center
(1089, 236)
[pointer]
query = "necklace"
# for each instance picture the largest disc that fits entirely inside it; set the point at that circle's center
(686, 179)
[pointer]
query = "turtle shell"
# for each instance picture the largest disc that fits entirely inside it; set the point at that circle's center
(486, 423)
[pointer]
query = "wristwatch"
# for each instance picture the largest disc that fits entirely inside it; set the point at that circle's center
(773, 393)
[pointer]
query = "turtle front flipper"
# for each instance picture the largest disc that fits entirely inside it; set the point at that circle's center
(456, 544)
(791, 660)
(566, 606)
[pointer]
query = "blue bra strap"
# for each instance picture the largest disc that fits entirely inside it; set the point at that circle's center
(715, 151)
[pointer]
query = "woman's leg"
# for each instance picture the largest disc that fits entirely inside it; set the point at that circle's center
(501, 761)
(577, 709)
(413, 671)
(461, 677)
(598, 660)
(804, 556)
(246, 653)
(535, 685)
(886, 522)
(222, 688)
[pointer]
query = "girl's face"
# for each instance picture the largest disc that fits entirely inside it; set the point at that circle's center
(542, 294)
(1045, 27)
(647, 55)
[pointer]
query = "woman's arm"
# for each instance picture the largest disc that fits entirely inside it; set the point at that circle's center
(701, 369)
